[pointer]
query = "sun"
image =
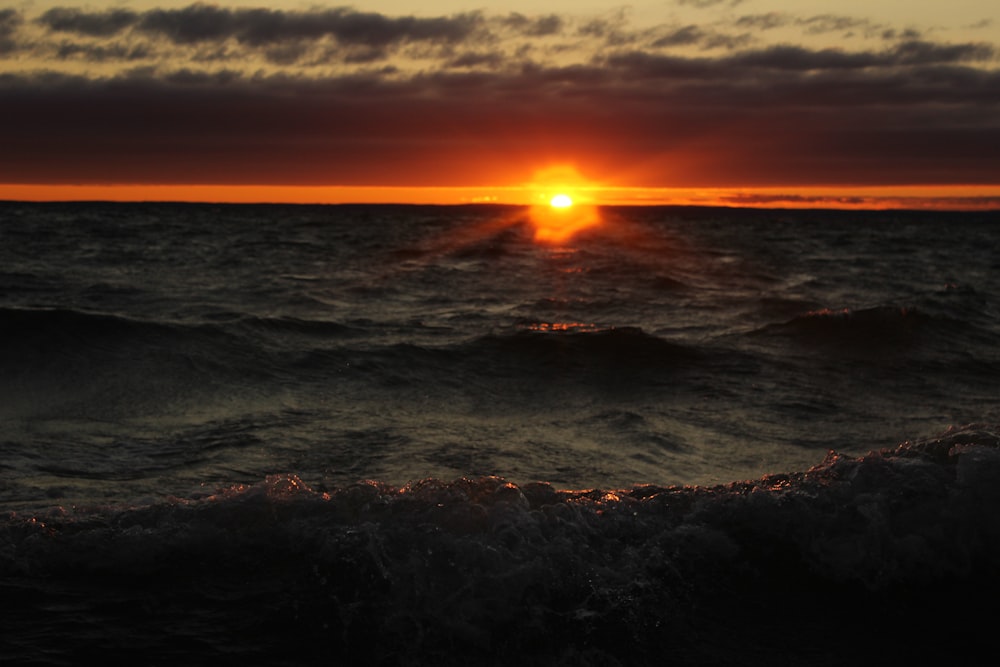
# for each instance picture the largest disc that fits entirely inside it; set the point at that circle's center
(563, 218)
(564, 204)
(561, 201)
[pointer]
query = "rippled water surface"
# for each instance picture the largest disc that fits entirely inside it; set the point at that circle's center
(151, 350)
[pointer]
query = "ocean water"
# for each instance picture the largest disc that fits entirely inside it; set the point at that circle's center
(419, 435)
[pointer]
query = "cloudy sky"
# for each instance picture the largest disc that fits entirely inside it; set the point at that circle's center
(759, 96)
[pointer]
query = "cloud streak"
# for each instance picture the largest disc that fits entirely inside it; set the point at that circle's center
(703, 4)
(91, 24)
(208, 23)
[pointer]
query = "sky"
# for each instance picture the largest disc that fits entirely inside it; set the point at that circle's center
(743, 102)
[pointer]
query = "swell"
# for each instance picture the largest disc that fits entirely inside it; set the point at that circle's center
(621, 347)
(34, 338)
(883, 330)
(30, 335)
(896, 549)
(63, 324)
(531, 354)
(66, 363)
(60, 325)
(62, 362)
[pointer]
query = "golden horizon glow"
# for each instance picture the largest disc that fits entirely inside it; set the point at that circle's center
(924, 197)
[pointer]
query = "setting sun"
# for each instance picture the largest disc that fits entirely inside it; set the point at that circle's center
(565, 204)
(561, 201)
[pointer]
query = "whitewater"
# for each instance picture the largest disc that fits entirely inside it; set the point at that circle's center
(419, 435)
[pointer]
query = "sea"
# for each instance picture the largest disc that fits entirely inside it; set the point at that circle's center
(435, 435)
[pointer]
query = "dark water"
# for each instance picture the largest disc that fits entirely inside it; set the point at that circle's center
(287, 435)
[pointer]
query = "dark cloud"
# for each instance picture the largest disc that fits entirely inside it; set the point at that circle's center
(824, 23)
(641, 65)
(907, 111)
(187, 77)
(690, 34)
(832, 201)
(909, 34)
(363, 53)
(611, 27)
(534, 26)
(103, 53)
(287, 38)
(290, 38)
(813, 25)
(203, 23)
(798, 58)
(767, 21)
(287, 54)
(756, 199)
(701, 4)
(600, 28)
(769, 117)
(906, 53)
(10, 21)
(200, 23)
(915, 52)
(492, 60)
(721, 40)
(93, 24)
(263, 26)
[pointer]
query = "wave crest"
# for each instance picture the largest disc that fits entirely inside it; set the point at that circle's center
(870, 332)
(444, 572)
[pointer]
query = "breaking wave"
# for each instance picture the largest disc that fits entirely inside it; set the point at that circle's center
(857, 559)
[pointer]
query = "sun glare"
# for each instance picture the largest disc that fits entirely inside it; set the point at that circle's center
(561, 201)
(565, 205)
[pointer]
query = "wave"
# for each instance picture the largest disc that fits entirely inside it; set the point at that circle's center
(60, 324)
(83, 349)
(896, 549)
(60, 355)
(65, 363)
(298, 326)
(626, 348)
(587, 358)
(32, 335)
(872, 331)
(56, 325)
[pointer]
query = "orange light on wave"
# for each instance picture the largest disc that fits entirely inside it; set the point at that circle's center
(559, 224)
(563, 207)
(548, 327)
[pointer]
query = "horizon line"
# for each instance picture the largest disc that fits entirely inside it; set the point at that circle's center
(864, 197)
